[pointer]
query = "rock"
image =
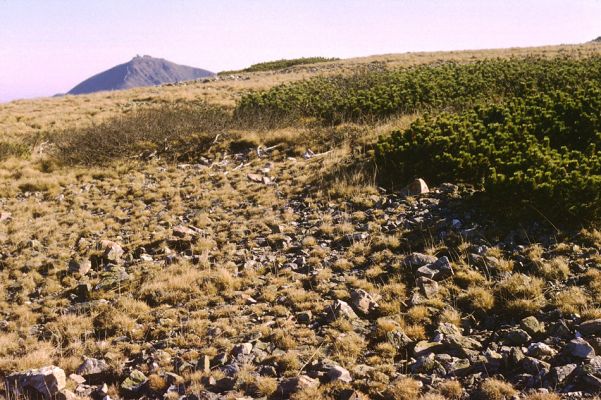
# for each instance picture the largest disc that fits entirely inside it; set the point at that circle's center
(580, 348)
(304, 317)
(204, 364)
(182, 231)
(532, 326)
(111, 251)
(47, 383)
(341, 308)
(418, 260)
(591, 327)
(78, 379)
(415, 188)
(423, 348)
(80, 267)
(244, 349)
(134, 382)
(93, 370)
(5, 216)
(559, 374)
(363, 302)
(292, 385)
(541, 350)
(560, 329)
(255, 178)
(516, 355)
(535, 367)
(462, 344)
(517, 337)
(337, 373)
(429, 287)
(437, 270)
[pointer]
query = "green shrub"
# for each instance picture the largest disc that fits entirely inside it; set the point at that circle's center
(281, 64)
(371, 95)
(540, 151)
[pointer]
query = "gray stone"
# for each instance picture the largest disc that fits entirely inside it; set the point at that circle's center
(418, 260)
(292, 385)
(46, 382)
(363, 302)
(517, 337)
(112, 251)
(78, 379)
(560, 374)
(423, 348)
(429, 287)
(243, 348)
(580, 348)
(535, 366)
(591, 327)
(80, 267)
(437, 270)
(337, 373)
(541, 350)
(415, 188)
(533, 326)
(91, 367)
(462, 344)
(342, 309)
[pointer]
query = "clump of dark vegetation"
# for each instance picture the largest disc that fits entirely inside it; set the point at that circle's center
(373, 95)
(281, 64)
(541, 151)
(185, 126)
(14, 149)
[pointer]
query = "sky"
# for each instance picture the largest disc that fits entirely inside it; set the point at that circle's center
(49, 46)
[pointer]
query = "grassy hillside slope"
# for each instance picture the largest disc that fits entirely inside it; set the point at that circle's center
(155, 241)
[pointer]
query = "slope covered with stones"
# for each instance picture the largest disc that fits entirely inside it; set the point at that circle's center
(239, 277)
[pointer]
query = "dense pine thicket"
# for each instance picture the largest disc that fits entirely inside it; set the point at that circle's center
(540, 151)
(446, 86)
(281, 64)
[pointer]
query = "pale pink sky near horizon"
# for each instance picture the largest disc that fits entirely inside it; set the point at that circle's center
(48, 46)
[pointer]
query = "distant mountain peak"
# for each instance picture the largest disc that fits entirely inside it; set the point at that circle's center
(139, 71)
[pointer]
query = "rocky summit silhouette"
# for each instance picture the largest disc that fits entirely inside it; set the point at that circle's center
(140, 71)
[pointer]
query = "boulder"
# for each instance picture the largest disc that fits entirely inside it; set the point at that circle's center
(337, 373)
(559, 374)
(242, 349)
(341, 309)
(437, 270)
(591, 327)
(46, 382)
(532, 326)
(428, 287)
(292, 385)
(93, 370)
(363, 302)
(541, 350)
(580, 348)
(415, 188)
(80, 267)
(111, 251)
(415, 260)
(517, 337)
